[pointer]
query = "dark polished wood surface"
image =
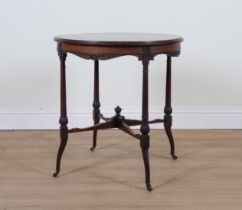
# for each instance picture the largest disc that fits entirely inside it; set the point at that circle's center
(119, 39)
(106, 46)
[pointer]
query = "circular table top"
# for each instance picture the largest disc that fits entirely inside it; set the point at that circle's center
(119, 39)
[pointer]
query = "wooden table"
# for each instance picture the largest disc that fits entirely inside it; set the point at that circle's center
(104, 46)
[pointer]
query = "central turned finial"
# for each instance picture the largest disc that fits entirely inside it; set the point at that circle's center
(118, 110)
(118, 118)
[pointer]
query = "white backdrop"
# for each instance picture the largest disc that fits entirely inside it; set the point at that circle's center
(207, 88)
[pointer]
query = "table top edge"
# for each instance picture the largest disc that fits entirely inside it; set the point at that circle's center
(118, 43)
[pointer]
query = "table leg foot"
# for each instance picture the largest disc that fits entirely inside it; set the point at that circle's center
(92, 149)
(174, 157)
(149, 187)
(56, 173)
(167, 125)
(94, 140)
(63, 142)
(144, 143)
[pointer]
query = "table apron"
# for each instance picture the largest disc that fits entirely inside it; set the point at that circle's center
(106, 52)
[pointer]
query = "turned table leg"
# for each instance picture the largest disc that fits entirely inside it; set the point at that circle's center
(63, 116)
(96, 103)
(168, 108)
(144, 128)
